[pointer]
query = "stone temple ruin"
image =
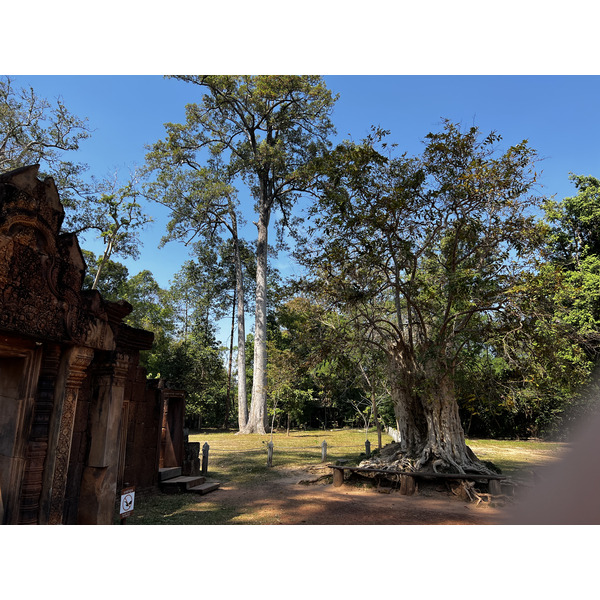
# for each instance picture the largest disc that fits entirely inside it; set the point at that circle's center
(78, 419)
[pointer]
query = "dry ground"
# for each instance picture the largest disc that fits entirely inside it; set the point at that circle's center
(287, 501)
(305, 496)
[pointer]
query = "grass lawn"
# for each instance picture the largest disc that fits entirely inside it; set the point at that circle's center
(243, 457)
(516, 457)
(242, 460)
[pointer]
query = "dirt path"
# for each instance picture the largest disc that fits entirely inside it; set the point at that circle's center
(288, 502)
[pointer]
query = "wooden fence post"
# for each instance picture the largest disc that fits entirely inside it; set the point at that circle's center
(270, 454)
(205, 449)
(408, 485)
(494, 487)
(324, 451)
(368, 448)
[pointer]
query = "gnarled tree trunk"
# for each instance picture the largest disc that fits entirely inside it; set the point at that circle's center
(445, 447)
(426, 410)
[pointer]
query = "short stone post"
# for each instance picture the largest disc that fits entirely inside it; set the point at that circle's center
(368, 448)
(270, 454)
(205, 449)
(324, 451)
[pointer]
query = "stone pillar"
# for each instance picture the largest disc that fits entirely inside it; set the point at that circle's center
(99, 481)
(74, 370)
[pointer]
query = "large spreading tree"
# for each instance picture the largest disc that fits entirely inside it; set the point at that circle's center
(266, 131)
(421, 254)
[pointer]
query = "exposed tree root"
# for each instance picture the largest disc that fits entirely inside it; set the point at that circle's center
(394, 458)
(465, 490)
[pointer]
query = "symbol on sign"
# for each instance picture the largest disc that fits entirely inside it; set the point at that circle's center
(127, 501)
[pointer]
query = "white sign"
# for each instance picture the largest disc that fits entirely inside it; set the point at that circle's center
(127, 501)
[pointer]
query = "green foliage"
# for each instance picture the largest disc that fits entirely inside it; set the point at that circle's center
(196, 366)
(315, 376)
(152, 306)
(113, 280)
(576, 223)
(192, 359)
(528, 380)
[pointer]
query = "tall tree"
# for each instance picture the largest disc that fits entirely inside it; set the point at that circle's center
(117, 217)
(415, 250)
(266, 130)
(237, 259)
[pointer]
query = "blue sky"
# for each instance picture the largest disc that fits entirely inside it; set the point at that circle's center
(558, 115)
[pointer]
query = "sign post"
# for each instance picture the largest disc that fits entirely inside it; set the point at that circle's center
(127, 502)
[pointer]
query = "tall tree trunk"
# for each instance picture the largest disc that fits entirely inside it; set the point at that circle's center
(257, 419)
(407, 410)
(105, 258)
(241, 353)
(229, 366)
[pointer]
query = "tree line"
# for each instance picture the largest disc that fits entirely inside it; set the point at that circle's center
(440, 293)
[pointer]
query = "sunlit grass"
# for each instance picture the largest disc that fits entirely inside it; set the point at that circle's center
(517, 457)
(178, 509)
(243, 458)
